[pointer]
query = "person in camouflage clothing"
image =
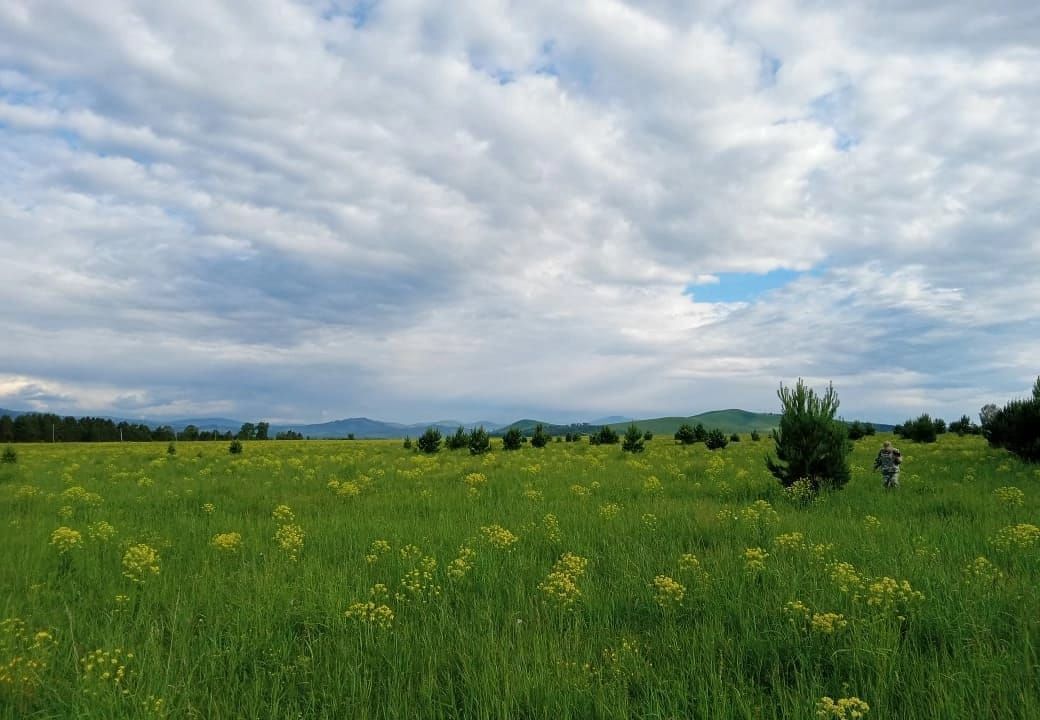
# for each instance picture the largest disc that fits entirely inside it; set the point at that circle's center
(887, 461)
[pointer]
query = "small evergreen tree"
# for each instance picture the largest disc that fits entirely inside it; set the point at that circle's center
(940, 426)
(755, 437)
(10, 457)
(921, 430)
(964, 426)
(716, 440)
(235, 448)
(734, 437)
(700, 434)
(648, 436)
(171, 449)
(810, 443)
(1016, 428)
(605, 436)
(857, 430)
(479, 442)
(407, 443)
(685, 434)
(633, 441)
(512, 439)
(459, 440)
(430, 441)
(539, 438)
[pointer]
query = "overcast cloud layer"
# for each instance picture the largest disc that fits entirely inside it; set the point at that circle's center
(411, 210)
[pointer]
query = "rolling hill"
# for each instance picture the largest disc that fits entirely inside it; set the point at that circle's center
(730, 421)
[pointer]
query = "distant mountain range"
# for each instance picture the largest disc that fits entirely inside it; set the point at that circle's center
(740, 421)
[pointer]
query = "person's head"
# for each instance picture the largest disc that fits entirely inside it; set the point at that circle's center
(887, 445)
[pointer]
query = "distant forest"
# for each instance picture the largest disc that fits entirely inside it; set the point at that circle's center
(47, 427)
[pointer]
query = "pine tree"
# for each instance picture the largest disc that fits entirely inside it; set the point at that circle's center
(633, 441)
(512, 439)
(479, 442)
(430, 441)
(810, 443)
(539, 438)
(685, 434)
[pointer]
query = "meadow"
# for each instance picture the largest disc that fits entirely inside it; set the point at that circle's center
(362, 580)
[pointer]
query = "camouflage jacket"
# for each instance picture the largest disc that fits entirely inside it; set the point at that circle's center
(888, 461)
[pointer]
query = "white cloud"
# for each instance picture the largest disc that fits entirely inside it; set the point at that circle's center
(496, 208)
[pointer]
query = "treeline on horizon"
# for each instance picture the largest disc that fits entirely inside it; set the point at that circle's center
(48, 427)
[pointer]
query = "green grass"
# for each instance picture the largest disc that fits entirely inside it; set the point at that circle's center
(254, 634)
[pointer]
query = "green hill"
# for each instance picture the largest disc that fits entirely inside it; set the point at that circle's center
(730, 421)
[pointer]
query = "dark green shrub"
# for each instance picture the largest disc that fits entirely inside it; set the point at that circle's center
(479, 442)
(810, 443)
(633, 441)
(171, 449)
(1016, 428)
(964, 426)
(921, 430)
(457, 441)
(755, 436)
(685, 434)
(940, 426)
(734, 437)
(648, 436)
(9, 457)
(700, 434)
(604, 436)
(235, 448)
(512, 439)
(407, 443)
(430, 440)
(716, 439)
(539, 438)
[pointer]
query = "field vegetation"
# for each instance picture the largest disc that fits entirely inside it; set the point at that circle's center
(366, 580)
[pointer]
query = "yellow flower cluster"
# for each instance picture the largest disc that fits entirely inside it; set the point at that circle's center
(461, 565)
(140, 561)
(80, 496)
(290, 540)
(66, 511)
(580, 490)
(850, 708)
(348, 489)
(101, 531)
(418, 583)
(368, 613)
(652, 485)
(609, 511)
(23, 656)
(561, 584)
(827, 623)
(870, 522)
(551, 525)
(790, 541)
(1010, 495)
(1017, 537)
(283, 514)
(65, 539)
(208, 508)
(227, 542)
(649, 521)
(845, 576)
(759, 514)
(981, 571)
(668, 592)
(476, 481)
(755, 559)
(533, 495)
(106, 671)
(378, 549)
(26, 491)
(889, 594)
(800, 492)
(499, 537)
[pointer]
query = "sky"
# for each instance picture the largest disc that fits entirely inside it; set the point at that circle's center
(315, 209)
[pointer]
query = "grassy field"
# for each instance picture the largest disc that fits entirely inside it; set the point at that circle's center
(360, 580)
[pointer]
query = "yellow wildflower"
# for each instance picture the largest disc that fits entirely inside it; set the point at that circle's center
(982, 572)
(65, 539)
(850, 708)
(609, 511)
(290, 540)
(283, 513)
(101, 531)
(140, 561)
(1022, 537)
(208, 508)
(668, 593)
(870, 522)
(755, 559)
(368, 613)
(499, 537)
(227, 542)
(461, 565)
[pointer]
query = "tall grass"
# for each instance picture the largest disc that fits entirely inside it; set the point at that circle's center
(253, 633)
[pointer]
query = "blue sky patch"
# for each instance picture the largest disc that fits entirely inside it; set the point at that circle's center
(742, 287)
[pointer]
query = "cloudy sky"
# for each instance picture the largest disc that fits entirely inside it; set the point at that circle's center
(406, 209)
